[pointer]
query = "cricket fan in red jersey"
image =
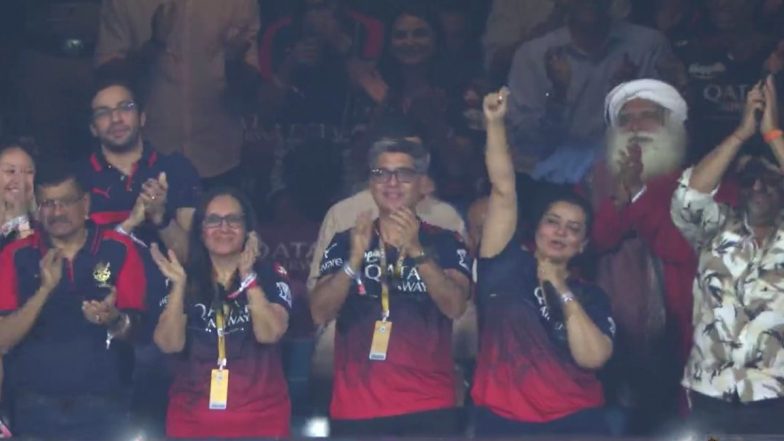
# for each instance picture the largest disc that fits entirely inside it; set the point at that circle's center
(543, 332)
(394, 284)
(67, 294)
(221, 322)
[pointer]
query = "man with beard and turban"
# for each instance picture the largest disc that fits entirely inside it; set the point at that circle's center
(645, 264)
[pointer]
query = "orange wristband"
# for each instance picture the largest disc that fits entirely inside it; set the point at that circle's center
(772, 135)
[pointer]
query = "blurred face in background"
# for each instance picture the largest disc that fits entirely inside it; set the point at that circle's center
(412, 40)
(456, 30)
(589, 13)
(731, 15)
(16, 176)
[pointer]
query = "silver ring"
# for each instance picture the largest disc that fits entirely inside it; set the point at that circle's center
(98, 318)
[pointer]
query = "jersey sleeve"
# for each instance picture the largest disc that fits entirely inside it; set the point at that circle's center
(274, 280)
(507, 273)
(596, 304)
(184, 183)
(452, 253)
(335, 254)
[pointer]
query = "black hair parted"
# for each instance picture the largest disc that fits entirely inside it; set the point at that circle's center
(52, 172)
(200, 286)
(26, 144)
(104, 83)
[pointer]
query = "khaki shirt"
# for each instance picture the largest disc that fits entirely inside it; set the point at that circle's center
(186, 110)
(738, 300)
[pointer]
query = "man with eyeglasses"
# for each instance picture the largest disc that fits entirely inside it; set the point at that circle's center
(135, 188)
(149, 196)
(394, 284)
(735, 367)
(68, 292)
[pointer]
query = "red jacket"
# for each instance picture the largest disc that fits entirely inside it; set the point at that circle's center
(649, 217)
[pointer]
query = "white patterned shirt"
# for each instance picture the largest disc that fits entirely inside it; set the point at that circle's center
(738, 300)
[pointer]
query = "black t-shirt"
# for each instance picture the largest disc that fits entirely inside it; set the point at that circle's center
(717, 90)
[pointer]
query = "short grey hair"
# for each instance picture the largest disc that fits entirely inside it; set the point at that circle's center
(416, 150)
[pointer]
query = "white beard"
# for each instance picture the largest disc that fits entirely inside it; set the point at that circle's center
(663, 151)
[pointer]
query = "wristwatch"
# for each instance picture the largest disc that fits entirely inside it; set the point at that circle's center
(567, 297)
(421, 257)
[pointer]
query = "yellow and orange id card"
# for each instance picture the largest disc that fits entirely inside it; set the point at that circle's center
(219, 389)
(380, 343)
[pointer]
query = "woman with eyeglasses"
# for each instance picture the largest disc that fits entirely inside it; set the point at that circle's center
(221, 321)
(17, 201)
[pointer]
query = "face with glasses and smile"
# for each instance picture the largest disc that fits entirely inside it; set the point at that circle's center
(394, 182)
(116, 120)
(761, 192)
(63, 209)
(223, 227)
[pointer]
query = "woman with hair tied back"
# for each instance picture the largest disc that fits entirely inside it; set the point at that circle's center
(543, 332)
(17, 200)
(222, 320)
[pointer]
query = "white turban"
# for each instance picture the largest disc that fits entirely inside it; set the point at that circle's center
(657, 91)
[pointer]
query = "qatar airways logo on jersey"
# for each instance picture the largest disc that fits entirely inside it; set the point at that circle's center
(235, 322)
(410, 283)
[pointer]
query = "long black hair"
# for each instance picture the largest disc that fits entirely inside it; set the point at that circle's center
(201, 288)
(389, 66)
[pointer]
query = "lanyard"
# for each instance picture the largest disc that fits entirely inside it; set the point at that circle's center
(398, 272)
(219, 323)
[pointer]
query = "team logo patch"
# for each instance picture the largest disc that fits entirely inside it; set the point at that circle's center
(284, 292)
(102, 273)
(462, 254)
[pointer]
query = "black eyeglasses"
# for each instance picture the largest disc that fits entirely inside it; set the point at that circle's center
(756, 170)
(68, 202)
(102, 113)
(404, 174)
(233, 221)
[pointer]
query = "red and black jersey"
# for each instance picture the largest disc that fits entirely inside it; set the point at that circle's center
(418, 372)
(64, 354)
(113, 194)
(524, 369)
(258, 400)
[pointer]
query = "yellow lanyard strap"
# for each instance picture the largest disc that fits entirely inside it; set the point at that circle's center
(219, 323)
(398, 272)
